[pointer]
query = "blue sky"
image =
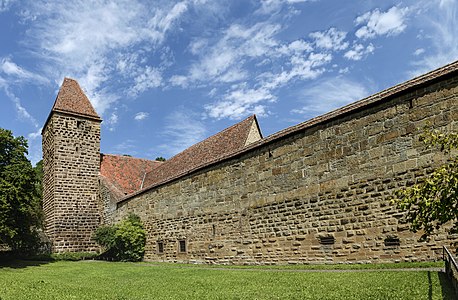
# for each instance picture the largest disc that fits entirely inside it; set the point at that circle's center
(164, 75)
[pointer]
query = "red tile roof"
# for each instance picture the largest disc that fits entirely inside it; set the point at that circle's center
(397, 90)
(71, 99)
(125, 173)
(224, 143)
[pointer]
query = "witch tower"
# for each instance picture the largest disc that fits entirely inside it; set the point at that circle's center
(71, 163)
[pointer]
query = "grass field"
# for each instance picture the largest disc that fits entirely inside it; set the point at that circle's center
(103, 280)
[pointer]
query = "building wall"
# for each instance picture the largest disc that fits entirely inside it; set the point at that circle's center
(318, 195)
(71, 165)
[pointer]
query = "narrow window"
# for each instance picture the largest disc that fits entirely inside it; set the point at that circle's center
(214, 230)
(392, 241)
(182, 246)
(327, 240)
(160, 247)
(80, 124)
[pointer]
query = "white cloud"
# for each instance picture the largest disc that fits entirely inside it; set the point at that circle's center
(419, 51)
(141, 116)
(149, 78)
(6, 4)
(112, 121)
(12, 70)
(358, 51)
(223, 60)
(181, 131)
(126, 147)
(35, 135)
(331, 39)
(328, 95)
(391, 22)
(21, 111)
(269, 7)
(240, 102)
(442, 25)
(93, 41)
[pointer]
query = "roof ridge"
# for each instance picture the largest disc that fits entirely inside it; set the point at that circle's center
(400, 88)
(217, 133)
(129, 157)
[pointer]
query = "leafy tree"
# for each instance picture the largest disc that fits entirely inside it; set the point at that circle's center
(20, 211)
(434, 202)
(39, 178)
(160, 158)
(124, 241)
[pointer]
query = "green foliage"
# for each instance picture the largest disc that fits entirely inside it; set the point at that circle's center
(160, 158)
(433, 202)
(20, 209)
(73, 256)
(124, 241)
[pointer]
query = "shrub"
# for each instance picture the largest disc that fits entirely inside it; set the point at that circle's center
(124, 241)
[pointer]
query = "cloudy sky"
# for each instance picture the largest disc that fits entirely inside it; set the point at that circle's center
(164, 75)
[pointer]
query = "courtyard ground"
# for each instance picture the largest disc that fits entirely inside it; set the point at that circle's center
(115, 280)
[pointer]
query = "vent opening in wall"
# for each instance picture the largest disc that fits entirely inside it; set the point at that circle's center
(327, 240)
(392, 241)
(182, 246)
(160, 247)
(80, 124)
(269, 154)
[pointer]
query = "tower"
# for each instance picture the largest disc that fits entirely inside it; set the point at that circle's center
(71, 163)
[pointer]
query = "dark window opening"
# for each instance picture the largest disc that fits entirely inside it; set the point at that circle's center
(182, 246)
(410, 103)
(214, 229)
(160, 247)
(392, 241)
(327, 240)
(80, 124)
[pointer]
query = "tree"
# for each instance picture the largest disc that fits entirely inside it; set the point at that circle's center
(124, 241)
(20, 211)
(160, 158)
(434, 202)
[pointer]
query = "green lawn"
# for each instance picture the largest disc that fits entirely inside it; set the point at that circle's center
(103, 280)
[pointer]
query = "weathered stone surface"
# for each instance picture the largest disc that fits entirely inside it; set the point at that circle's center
(71, 151)
(319, 195)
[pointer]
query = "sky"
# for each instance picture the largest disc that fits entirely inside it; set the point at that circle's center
(164, 75)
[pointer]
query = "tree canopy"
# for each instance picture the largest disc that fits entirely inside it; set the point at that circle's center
(434, 202)
(20, 208)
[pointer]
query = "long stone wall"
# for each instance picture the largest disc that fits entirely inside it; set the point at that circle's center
(318, 194)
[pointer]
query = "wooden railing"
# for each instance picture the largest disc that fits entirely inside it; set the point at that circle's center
(451, 268)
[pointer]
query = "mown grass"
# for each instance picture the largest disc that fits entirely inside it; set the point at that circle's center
(103, 280)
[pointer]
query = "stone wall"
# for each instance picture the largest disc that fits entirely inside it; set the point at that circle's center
(318, 194)
(71, 165)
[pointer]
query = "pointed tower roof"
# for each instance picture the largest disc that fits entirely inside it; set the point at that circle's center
(72, 100)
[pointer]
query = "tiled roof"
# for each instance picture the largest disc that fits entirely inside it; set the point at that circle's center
(71, 99)
(397, 90)
(125, 173)
(224, 143)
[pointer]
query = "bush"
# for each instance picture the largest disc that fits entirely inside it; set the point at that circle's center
(124, 241)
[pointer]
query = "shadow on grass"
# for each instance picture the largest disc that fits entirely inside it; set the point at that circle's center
(448, 292)
(10, 260)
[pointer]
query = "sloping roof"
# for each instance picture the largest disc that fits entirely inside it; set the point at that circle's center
(228, 141)
(71, 99)
(125, 173)
(429, 78)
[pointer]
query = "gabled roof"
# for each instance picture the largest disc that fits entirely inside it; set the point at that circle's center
(224, 143)
(125, 173)
(71, 99)
(431, 77)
